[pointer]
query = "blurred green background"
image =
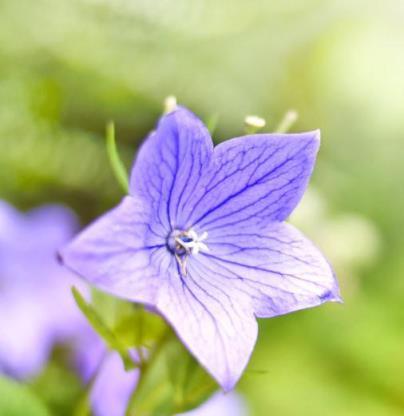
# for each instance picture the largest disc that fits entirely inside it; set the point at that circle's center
(69, 66)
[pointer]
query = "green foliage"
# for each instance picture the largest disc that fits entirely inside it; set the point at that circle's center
(131, 323)
(115, 161)
(61, 398)
(122, 325)
(103, 330)
(172, 383)
(17, 400)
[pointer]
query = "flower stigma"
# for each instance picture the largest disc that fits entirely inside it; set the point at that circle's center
(185, 243)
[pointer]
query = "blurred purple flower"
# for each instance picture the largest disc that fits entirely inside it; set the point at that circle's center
(37, 309)
(202, 238)
(111, 385)
(89, 352)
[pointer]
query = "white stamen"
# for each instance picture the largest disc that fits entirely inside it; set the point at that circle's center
(170, 104)
(287, 121)
(196, 244)
(254, 122)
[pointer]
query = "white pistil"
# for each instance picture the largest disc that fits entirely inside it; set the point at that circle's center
(195, 243)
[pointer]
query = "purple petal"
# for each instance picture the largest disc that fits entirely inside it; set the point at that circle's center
(216, 325)
(254, 180)
(220, 404)
(113, 387)
(264, 273)
(36, 306)
(10, 220)
(25, 339)
(123, 252)
(20, 246)
(276, 267)
(89, 351)
(170, 164)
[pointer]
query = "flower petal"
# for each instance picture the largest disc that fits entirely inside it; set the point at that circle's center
(25, 338)
(113, 387)
(254, 179)
(277, 268)
(170, 163)
(122, 252)
(230, 404)
(218, 327)
(36, 307)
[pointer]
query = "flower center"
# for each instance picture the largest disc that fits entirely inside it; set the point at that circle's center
(183, 243)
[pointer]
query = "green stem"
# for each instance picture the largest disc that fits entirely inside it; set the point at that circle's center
(116, 163)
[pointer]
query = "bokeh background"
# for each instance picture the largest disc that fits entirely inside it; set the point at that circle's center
(69, 66)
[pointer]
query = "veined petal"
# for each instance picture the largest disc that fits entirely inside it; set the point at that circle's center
(277, 268)
(169, 165)
(124, 252)
(226, 204)
(254, 179)
(216, 325)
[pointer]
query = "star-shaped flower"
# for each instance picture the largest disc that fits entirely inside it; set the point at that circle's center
(202, 239)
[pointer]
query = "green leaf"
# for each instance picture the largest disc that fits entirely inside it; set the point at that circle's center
(130, 322)
(59, 397)
(191, 383)
(116, 163)
(172, 382)
(110, 309)
(102, 329)
(17, 400)
(140, 327)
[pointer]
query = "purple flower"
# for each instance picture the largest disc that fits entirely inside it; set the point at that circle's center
(202, 238)
(223, 404)
(111, 385)
(89, 352)
(36, 306)
(37, 309)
